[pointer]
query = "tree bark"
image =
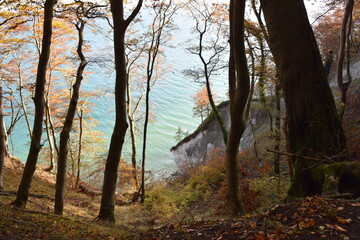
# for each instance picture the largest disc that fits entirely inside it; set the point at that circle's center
(343, 86)
(107, 206)
(65, 133)
(131, 120)
(277, 129)
(80, 147)
(2, 141)
(313, 124)
(35, 146)
(239, 87)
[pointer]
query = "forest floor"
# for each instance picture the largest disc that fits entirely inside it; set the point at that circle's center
(311, 218)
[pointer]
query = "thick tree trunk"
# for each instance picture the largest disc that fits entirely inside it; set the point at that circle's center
(2, 141)
(239, 86)
(107, 206)
(35, 146)
(313, 124)
(65, 133)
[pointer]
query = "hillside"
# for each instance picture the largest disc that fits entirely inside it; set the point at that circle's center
(184, 208)
(312, 218)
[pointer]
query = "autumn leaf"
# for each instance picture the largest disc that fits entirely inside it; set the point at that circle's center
(253, 225)
(338, 228)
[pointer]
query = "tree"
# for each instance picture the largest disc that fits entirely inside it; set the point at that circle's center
(313, 125)
(117, 139)
(204, 17)
(239, 86)
(35, 146)
(70, 115)
(344, 42)
(164, 12)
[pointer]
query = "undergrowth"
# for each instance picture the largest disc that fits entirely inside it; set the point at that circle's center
(200, 193)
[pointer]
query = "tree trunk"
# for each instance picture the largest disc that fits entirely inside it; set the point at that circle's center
(130, 115)
(65, 133)
(80, 146)
(313, 124)
(239, 86)
(35, 146)
(24, 107)
(161, 19)
(2, 141)
(277, 130)
(51, 144)
(107, 206)
(6, 140)
(341, 56)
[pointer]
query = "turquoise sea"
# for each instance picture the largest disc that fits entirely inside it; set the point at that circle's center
(171, 101)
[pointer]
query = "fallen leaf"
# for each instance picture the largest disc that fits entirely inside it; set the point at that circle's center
(253, 224)
(341, 220)
(338, 228)
(329, 226)
(296, 215)
(311, 223)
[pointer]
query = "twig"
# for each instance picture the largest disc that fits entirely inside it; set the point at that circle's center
(323, 155)
(14, 193)
(299, 156)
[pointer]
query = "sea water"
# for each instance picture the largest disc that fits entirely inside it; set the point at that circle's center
(171, 99)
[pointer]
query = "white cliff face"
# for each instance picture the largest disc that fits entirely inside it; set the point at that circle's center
(194, 148)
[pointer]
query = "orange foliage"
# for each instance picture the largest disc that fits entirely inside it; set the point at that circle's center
(328, 29)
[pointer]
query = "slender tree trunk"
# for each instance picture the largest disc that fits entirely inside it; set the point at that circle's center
(2, 141)
(130, 115)
(239, 86)
(217, 112)
(80, 147)
(341, 55)
(214, 108)
(51, 145)
(107, 206)
(144, 140)
(51, 128)
(277, 130)
(6, 140)
(313, 124)
(160, 21)
(65, 133)
(24, 107)
(35, 146)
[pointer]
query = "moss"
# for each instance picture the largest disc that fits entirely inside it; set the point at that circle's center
(338, 178)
